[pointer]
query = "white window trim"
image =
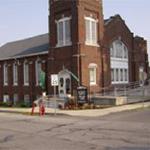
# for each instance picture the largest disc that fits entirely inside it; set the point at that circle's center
(93, 66)
(119, 62)
(123, 49)
(91, 19)
(36, 71)
(24, 73)
(119, 81)
(119, 59)
(64, 31)
(15, 74)
(63, 19)
(6, 98)
(5, 74)
(112, 75)
(91, 43)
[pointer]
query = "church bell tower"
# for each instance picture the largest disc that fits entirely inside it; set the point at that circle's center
(76, 36)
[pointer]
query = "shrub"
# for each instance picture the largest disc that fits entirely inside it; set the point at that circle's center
(5, 104)
(22, 104)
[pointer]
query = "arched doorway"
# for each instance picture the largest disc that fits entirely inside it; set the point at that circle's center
(64, 87)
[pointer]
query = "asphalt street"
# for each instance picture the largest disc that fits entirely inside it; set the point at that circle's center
(120, 131)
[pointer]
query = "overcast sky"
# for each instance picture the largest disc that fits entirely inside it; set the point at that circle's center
(25, 18)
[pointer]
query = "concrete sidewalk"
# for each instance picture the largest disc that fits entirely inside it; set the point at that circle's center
(81, 113)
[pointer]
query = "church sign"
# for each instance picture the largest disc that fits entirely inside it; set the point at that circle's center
(54, 80)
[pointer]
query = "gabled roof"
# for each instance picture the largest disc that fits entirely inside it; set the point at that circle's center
(113, 18)
(34, 50)
(107, 21)
(26, 47)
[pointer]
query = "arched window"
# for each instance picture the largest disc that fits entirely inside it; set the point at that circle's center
(119, 62)
(91, 31)
(64, 32)
(118, 50)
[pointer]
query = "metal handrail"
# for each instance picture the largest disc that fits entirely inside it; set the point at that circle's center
(122, 90)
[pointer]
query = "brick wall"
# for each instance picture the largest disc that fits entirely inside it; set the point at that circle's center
(114, 30)
(78, 56)
(140, 56)
(32, 90)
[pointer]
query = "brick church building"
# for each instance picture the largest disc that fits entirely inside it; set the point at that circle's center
(81, 48)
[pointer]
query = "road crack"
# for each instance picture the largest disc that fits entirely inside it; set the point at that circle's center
(7, 139)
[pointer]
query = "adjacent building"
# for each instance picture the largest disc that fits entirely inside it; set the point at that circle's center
(20, 66)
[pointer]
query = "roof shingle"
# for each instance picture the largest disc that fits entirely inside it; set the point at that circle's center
(33, 45)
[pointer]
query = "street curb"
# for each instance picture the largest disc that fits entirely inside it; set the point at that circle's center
(80, 113)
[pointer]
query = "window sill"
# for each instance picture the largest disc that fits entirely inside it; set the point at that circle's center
(119, 59)
(92, 44)
(93, 84)
(26, 84)
(123, 82)
(64, 45)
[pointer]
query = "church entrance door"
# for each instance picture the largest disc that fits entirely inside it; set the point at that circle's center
(64, 83)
